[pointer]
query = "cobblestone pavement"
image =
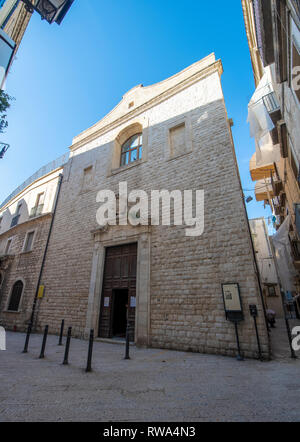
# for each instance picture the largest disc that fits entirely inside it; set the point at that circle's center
(155, 385)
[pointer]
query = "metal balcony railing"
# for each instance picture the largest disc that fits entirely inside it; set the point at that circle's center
(279, 204)
(277, 185)
(271, 103)
(36, 211)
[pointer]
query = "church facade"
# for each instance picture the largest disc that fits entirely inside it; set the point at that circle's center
(172, 138)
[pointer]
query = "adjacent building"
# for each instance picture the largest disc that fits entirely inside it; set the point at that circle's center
(273, 34)
(14, 19)
(267, 266)
(25, 223)
(171, 137)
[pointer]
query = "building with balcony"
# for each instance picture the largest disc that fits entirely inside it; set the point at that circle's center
(267, 266)
(272, 28)
(14, 19)
(25, 223)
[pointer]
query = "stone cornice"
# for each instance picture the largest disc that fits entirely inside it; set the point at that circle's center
(200, 75)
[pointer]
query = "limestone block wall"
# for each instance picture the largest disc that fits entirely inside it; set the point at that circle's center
(22, 266)
(185, 307)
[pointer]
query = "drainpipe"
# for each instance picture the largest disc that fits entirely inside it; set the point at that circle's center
(45, 251)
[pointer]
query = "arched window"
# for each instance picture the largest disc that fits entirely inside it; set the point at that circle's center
(15, 296)
(132, 149)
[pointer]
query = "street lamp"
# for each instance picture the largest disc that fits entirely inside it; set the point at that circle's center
(3, 149)
(50, 10)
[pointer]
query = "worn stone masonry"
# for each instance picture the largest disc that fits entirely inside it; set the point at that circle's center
(179, 302)
(24, 266)
(25, 219)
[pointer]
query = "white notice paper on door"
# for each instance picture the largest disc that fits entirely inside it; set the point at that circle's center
(132, 301)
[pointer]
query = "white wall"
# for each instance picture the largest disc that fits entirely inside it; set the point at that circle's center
(264, 252)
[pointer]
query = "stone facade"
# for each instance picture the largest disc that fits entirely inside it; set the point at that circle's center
(266, 265)
(179, 302)
(27, 213)
(273, 32)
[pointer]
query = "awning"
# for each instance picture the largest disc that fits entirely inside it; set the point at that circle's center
(260, 172)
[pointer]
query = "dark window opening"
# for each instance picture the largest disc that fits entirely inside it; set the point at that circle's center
(15, 296)
(271, 291)
(8, 246)
(29, 241)
(120, 307)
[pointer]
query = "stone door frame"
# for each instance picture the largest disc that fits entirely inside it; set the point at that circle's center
(117, 236)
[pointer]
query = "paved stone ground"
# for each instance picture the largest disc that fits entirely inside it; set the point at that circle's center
(279, 338)
(155, 385)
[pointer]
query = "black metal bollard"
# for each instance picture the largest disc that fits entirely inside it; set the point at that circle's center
(61, 332)
(254, 313)
(27, 338)
(258, 340)
(66, 357)
(127, 342)
(90, 352)
(42, 355)
(293, 354)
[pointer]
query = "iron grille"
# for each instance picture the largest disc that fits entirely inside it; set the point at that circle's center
(271, 103)
(36, 211)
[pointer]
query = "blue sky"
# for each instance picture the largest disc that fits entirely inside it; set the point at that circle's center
(67, 77)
